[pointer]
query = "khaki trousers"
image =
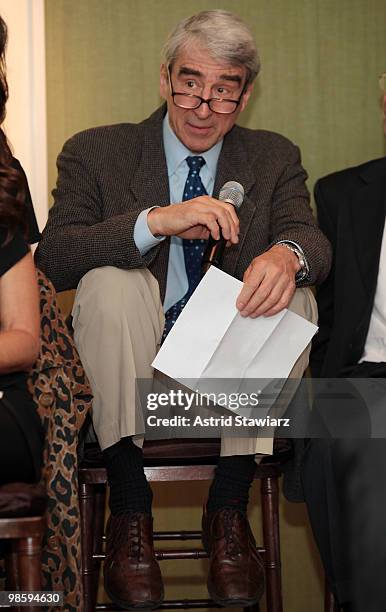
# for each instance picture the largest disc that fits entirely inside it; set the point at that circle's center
(118, 322)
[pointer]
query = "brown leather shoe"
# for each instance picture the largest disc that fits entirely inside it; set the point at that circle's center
(236, 571)
(132, 575)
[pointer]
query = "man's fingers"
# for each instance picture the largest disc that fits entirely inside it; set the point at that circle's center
(211, 223)
(223, 221)
(222, 213)
(226, 221)
(235, 223)
(253, 277)
(218, 217)
(275, 300)
(269, 284)
(199, 232)
(258, 298)
(283, 302)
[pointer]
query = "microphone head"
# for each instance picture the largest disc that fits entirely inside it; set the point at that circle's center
(233, 193)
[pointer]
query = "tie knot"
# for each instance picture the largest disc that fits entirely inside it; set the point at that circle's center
(195, 162)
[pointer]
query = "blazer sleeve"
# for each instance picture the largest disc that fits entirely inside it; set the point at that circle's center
(77, 237)
(292, 219)
(324, 291)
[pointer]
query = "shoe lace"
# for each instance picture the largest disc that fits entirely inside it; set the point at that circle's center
(128, 531)
(135, 540)
(232, 542)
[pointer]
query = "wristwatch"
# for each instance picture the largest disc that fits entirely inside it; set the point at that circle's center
(304, 267)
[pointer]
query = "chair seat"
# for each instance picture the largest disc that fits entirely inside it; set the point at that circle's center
(20, 499)
(186, 451)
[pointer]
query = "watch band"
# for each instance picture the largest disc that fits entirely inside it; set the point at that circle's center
(304, 267)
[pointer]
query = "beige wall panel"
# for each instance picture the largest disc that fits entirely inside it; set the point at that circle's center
(25, 124)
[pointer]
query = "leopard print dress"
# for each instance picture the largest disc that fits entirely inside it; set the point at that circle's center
(61, 391)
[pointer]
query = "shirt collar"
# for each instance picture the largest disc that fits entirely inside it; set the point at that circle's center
(176, 152)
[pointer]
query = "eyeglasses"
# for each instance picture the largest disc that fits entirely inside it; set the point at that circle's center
(222, 106)
(382, 82)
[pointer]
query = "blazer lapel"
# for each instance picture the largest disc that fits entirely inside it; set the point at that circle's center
(150, 184)
(368, 210)
(150, 187)
(234, 165)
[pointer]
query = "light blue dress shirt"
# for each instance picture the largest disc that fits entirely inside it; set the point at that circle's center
(176, 154)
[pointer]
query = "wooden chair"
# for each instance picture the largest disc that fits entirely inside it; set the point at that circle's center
(172, 461)
(23, 525)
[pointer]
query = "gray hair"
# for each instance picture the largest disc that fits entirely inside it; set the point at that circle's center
(225, 36)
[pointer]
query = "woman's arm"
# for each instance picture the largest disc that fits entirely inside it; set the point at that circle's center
(19, 317)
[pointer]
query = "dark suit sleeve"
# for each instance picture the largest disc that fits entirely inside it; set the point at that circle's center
(325, 291)
(77, 237)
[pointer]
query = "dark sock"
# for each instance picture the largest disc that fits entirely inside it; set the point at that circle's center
(232, 479)
(129, 489)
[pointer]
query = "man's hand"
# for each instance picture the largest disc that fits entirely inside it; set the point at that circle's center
(269, 283)
(196, 218)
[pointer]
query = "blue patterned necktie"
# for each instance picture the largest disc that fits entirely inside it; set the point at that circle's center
(193, 249)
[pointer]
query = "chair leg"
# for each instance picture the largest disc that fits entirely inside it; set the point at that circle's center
(11, 569)
(29, 560)
(12, 572)
(87, 511)
(99, 524)
(271, 535)
(330, 604)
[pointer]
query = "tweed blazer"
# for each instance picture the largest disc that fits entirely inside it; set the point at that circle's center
(108, 175)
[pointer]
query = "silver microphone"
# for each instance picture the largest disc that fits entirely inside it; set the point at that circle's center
(233, 193)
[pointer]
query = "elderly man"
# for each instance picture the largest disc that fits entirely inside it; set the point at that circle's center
(134, 207)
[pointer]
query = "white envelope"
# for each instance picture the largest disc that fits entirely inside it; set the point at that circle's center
(211, 340)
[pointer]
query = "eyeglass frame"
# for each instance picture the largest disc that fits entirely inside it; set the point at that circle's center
(202, 100)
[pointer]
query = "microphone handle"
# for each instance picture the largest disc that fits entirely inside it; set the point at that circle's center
(213, 254)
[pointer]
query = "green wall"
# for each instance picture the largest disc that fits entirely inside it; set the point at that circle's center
(318, 86)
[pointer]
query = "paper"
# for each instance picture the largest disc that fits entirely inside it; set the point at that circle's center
(210, 340)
